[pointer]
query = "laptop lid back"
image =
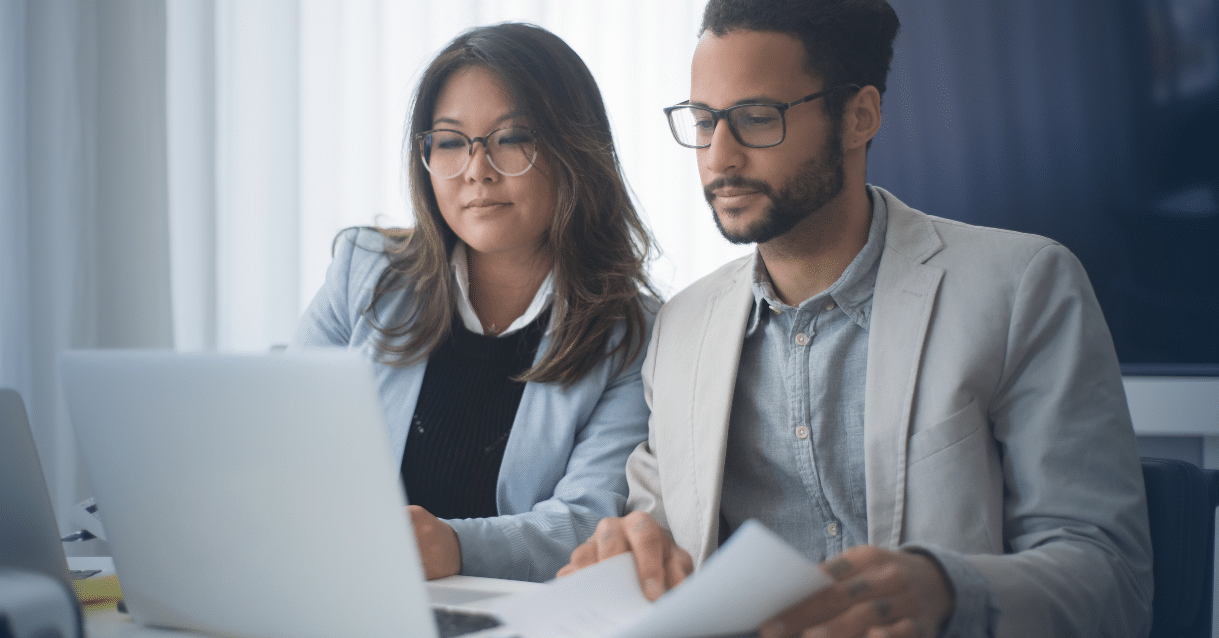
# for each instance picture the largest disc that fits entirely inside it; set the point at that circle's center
(29, 535)
(249, 495)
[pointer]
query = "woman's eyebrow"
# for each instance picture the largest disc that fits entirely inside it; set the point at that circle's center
(511, 115)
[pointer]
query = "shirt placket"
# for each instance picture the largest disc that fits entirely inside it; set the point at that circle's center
(801, 335)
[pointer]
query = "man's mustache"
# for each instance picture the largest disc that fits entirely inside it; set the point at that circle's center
(736, 181)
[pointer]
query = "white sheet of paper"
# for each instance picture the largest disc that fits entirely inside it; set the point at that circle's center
(752, 578)
(591, 603)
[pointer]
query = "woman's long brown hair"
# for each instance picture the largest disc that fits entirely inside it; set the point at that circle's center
(600, 245)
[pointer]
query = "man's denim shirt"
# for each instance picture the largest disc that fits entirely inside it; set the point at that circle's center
(795, 458)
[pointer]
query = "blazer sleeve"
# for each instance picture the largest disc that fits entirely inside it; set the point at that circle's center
(535, 544)
(1077, 556)
(642, 468)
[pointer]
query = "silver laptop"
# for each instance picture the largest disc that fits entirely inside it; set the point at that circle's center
(29, 536)
(249, 495)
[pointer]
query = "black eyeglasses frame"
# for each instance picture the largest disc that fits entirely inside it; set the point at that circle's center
(723, 114)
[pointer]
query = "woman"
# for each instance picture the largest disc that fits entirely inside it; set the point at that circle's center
(507, 326)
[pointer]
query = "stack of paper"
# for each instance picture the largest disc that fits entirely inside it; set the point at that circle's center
(751, 579)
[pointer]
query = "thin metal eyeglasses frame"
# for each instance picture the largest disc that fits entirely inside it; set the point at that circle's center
(420, 137)
(723, 114)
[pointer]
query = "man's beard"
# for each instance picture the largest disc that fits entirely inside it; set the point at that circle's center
(818, 181)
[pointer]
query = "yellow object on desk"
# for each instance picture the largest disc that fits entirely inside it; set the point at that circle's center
(101, 591)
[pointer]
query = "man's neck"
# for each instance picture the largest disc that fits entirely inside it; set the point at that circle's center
(810, 257)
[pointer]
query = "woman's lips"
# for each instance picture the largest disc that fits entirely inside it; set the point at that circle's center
(485, 204)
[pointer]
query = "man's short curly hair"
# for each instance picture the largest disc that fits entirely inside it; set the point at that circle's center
(846, 41)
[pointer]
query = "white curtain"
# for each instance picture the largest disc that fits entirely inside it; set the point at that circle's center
(83, 230)
(172, 173)
(310, 100)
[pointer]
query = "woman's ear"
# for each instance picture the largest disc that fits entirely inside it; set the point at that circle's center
(861, 118)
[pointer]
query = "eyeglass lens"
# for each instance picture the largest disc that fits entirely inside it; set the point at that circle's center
(511, 150)
(754, 124)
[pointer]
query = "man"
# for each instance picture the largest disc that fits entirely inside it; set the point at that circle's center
(933, 409)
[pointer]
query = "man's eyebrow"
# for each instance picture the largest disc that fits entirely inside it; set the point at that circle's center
(753, 99)
(511, 115)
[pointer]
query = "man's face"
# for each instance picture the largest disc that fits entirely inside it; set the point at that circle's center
(757, 194)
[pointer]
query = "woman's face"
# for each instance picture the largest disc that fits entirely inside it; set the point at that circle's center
(492, 213)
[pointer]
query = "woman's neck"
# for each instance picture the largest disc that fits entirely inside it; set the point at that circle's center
(503, 286)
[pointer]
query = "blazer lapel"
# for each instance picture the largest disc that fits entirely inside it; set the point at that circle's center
(712, 369)
(901, 311)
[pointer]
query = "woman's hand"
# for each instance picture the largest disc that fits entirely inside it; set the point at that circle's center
(439, 549)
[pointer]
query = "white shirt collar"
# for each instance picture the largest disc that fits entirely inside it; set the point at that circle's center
(461, 272)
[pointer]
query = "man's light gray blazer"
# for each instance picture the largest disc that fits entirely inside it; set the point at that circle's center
(995, 422)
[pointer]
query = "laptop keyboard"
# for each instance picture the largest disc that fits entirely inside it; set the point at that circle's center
(451, 622)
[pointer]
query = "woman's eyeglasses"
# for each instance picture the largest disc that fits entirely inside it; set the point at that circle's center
(446, 153)
(753, 125)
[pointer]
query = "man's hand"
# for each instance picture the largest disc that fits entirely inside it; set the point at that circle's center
(439, 549)
(877, 593)
(660, 562)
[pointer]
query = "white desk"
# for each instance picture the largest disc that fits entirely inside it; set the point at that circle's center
(110, 623)
(454, 590)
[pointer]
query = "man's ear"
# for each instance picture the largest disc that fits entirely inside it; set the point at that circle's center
(861, 118)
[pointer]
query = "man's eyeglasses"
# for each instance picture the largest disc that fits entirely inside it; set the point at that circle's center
(753, 125)
(446, 152)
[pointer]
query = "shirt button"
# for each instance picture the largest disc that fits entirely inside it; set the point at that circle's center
(832, 529)
(830, 306)
(802, 339)
(802, 433)
(776, 310)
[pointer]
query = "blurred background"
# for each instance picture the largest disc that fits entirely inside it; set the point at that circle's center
(172, 172)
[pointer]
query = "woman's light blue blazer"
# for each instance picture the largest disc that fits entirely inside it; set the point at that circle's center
(563, 468)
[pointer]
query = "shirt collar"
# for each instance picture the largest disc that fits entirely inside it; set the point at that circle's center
(461, 272)
(853, 290)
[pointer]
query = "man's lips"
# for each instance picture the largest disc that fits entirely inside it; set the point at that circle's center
(733, 192)
(732, 198)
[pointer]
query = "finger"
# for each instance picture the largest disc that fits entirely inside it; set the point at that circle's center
(652, 548)
(824, 604)
(420, 517)
(581, 557)
(904, 628)
(874, 612)
(831, 602)
(421, 522)
(609, 540)
(880, 580)
(812, 611)
(677, 567)
(839, 567)
(854, 560)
